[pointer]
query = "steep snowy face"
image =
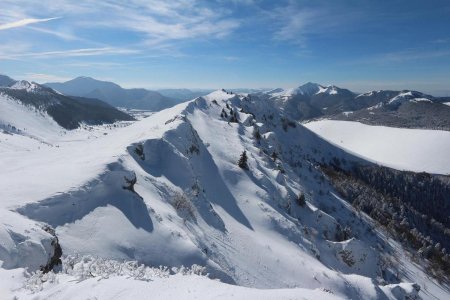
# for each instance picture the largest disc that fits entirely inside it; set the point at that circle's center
(36, 102)
(31, 87)
(17, 118)
(168, 190)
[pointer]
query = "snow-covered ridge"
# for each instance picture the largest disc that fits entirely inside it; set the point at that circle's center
(26, 85)
(170, 183)
(367, 94)
(410, 96)
(308, 89)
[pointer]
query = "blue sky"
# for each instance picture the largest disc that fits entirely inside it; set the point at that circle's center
(361, 45)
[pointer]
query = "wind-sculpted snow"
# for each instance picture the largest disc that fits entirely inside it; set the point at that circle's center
(108, 190)
(167, 190)
(23, 243)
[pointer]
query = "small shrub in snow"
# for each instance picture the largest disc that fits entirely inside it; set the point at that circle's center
(347, 257)
(183, 206)
(242, 163)
(274, 156)
(86, 267)
(256, 134)
(301, 201)
(343, 234)
(194, 149)
(193, 270)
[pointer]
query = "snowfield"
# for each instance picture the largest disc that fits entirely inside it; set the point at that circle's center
(167, 190)
(101, 279)
(403, 149)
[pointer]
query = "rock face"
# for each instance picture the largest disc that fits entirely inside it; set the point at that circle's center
(54, 263)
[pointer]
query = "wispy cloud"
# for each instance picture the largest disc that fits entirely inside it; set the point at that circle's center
(73, 53)
(94, 64)
(40, 77)
(399, 57)
(162, 21)
(409, 55)
(154, 20)
(295, 22)
(24, 22)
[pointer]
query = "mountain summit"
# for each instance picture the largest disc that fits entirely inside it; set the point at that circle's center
(114, 94)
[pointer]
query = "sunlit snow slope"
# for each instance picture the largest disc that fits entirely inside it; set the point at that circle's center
(404, 149)
(192, 204)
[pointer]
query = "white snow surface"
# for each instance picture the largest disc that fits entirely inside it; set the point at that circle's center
(404, 149)
(191, 205)
(27, 121)
(331, 90)
(179, 286)
(306, 89)
(26, 85)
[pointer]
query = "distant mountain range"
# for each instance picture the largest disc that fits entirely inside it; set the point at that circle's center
(68, 112)
(405, 108)
(114, 94)
(183, 94)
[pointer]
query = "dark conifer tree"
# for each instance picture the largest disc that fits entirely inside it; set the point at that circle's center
(242, 163)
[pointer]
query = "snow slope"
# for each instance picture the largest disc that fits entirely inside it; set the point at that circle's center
(191, 204)
(104, 279)
(404, 149)
(26, 120)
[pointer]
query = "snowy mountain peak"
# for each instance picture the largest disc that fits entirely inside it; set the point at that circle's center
(26, 85)
(309, 88)
(220, 95)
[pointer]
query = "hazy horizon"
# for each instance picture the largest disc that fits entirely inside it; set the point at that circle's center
(361, 46)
